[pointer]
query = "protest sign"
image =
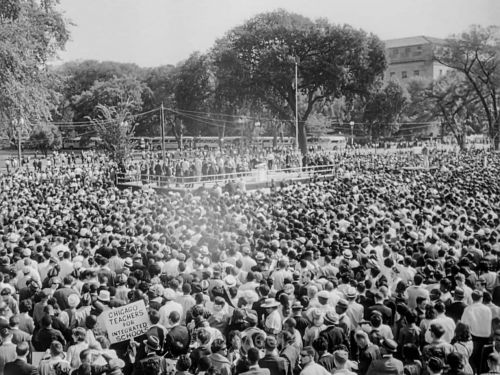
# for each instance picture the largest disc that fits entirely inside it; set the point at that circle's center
(126, 322)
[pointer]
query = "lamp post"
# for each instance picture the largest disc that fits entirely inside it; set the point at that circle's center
(352, 133)
(296, 106)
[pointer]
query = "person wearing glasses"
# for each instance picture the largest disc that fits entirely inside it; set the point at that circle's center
(309, 366)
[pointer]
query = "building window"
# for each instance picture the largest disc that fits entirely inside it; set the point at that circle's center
(404, 74)
(392, 74)
(407, 51)
(416, 73)
(394, 52)
(440, 72)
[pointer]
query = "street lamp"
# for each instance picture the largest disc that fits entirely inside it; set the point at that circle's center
(296, 106)
(352, 133)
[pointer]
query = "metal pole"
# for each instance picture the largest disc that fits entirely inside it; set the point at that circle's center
(19, 143)
(162, 134)
(296, 107)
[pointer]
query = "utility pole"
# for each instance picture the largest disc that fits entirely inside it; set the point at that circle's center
(162, 134)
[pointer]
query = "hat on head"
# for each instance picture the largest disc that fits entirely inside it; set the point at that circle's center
(116, 363)
(347, 254)
(169, 294)
(323, 294)
(331, 318)
(104, 296)
(351, 292)
(5, 291)
(152, 343)
(73, 300)
(390, 345)
(252, 319)
(459, 292)
(297, 306)
(128, 262)
(342, 303)
(260, 256)
(270, 302)
(230, 281)
(316, 314)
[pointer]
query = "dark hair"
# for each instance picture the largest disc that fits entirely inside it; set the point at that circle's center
(22, 349)
(411, 352)
(183, 363)
(320, 344)
(154, 316)
(462, 332)
(253, 355)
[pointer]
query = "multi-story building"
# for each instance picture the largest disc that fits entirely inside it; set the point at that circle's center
(413, 57)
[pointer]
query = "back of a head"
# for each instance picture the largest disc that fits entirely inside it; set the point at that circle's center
(253, 355)
(56, 348)
(183, 363)
(174, 317)
(437, 330)
(22, 349)
(435, 365)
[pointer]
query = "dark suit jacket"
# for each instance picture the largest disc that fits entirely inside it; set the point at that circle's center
(455, 310)
(178, 333)
(383, 309)
(275, 364)
(386, 366)
(257, 371)
(19, 367)
(334, 336)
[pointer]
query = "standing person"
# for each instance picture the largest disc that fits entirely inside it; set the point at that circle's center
(387, 365)
(54, 360)
(253, 356)
(20, 365)
(367, 352)
(7, 349)
(309, 366)
(476, 316)
(341, 358)
(218, 357)
(271, 361)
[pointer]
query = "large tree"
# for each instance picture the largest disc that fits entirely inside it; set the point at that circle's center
(257, 61)
(383, 110)
(31, 34)
(476, 55)
(451, 100)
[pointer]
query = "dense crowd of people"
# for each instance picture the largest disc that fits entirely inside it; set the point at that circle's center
(382, 270)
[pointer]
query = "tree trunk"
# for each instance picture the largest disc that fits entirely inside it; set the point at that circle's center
(302, 138)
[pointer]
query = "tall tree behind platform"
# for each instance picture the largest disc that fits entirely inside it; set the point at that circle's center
(115, 127)
(257, 61)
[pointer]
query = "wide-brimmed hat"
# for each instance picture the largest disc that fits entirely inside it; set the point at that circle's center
(390, 345)
(73, 300)
(152, 343)
(104, 296)
(169, 294)
(270, 302)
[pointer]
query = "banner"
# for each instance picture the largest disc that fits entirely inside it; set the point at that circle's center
(126, 322)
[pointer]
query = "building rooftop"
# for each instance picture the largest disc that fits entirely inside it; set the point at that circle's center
(412, 41)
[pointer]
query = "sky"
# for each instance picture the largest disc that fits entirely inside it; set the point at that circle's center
(160, 32)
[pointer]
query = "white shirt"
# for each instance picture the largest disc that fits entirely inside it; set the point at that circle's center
(166, 309)
(448, 325)
(313, 368)
(273, 321)
(478, 317)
